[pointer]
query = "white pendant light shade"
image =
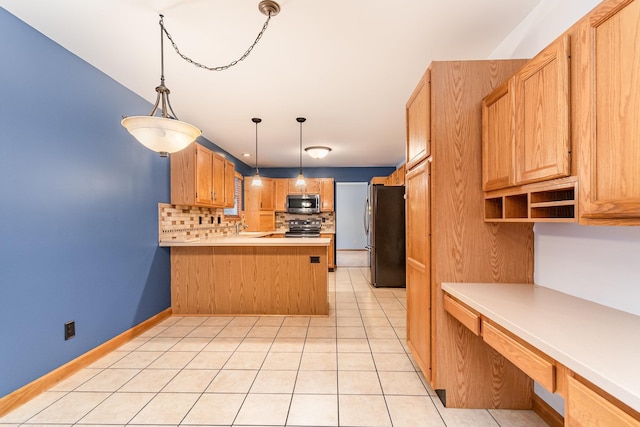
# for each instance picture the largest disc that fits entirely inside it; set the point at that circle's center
(317, 152)
(161, 134)
(300, 181)
(256, 181)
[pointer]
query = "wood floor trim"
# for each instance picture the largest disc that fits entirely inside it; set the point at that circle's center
(45, 382)
(546, 412)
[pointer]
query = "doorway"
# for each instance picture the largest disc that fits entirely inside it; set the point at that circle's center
(351, 239)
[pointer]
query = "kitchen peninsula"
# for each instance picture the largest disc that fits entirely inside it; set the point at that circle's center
(249, 275)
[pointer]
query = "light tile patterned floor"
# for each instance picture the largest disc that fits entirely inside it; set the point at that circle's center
(350, 369)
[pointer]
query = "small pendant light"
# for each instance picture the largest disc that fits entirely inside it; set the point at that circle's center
(300, 181)
(256, 182)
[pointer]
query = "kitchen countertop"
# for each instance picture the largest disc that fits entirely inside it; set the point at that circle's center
(597, 342)
(251, 238)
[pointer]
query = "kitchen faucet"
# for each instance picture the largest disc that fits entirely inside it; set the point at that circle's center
(240, 226)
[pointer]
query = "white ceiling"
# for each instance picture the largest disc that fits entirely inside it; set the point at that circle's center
(348, 66)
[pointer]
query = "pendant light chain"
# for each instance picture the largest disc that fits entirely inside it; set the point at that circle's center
(223, 67)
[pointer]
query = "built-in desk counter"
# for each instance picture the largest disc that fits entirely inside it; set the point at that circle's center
(535, 326)
(248, 275)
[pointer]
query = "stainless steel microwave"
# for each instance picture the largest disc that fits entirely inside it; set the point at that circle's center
(303, 203)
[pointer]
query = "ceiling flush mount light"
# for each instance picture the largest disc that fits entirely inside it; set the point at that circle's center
(256, 182)
(166, 134)
(317, 152)
(300, 181)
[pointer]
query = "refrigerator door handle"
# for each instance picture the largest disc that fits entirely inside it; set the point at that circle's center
(365, 218)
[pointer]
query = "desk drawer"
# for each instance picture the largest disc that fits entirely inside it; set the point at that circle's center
(584, 407)
(461, 313)
(528, 360)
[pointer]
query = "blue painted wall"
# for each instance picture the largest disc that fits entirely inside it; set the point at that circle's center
(363, 174)
(78, 217)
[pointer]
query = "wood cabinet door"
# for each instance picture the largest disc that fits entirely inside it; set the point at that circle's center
(204, 176)
(418, 279)
(281, 189)
(229, 184)
(313, 185)
(418, 113)
(608, 105)
(327, 195)
(331, 259)
(218, 180)
(252, 197)
(294, 188)
(498, 137)
(267, 195)
(543, 145)
(267, 221)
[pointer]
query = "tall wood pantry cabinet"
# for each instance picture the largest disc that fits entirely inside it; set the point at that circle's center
(448, 240)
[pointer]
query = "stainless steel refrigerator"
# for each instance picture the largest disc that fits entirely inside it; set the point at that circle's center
(385, 228)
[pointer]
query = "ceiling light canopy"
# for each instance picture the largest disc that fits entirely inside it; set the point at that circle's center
(317, 152)
(165, 133)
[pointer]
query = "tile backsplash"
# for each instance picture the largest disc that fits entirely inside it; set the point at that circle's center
(178, 222)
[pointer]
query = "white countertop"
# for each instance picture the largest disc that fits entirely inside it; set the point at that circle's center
(251, 239)
(599, 343)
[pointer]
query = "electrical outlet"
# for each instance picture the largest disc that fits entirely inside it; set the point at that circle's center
(69, 330)
(314, 259)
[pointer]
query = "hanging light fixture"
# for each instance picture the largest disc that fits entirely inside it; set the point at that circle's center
(300, 181)
(317, 152)
(257, 182)
(166, 134)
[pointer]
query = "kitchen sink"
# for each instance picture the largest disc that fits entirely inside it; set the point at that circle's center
(252, 234)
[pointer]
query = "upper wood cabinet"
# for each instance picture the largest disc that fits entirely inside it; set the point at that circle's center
(197, 177)
(267, 195)
(322, 186)
(229, 184)
(259, 198)
(607, 114)
(418, 122)
(218, 180)
(204, 176)
(397, 177)
(312, 186)
(498, 137)
(543, 144)
(281, 189)
(326, 195)
(526, 122)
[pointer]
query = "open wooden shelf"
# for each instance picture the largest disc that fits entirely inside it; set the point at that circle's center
(550, 201)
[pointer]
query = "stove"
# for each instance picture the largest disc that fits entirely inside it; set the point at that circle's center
(304, 228)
